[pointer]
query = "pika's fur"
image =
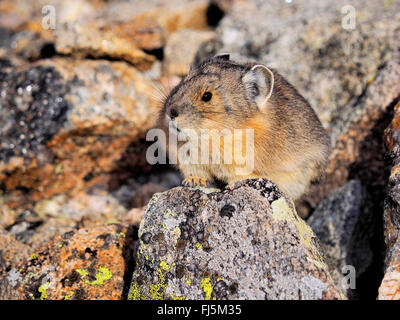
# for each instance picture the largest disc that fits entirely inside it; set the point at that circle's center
(290, 145)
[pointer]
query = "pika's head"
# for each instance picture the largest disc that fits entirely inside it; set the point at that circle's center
(219, 93)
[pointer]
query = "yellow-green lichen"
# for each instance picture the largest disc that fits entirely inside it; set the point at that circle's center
(207, 288)
(69, 295)
(83, 272)
(157, 290)
(198, 246)
(123, 235)
(282, 211)
(174, 297)
(188, 282)
(135, 293)
(43, 290)
(102, 275)
(33, 256)
(165, 266)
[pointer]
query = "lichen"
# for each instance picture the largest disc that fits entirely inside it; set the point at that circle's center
(174, 297)
(43, 290)
(69, 295)
(165, 266)
(83, 272)
(157, 290)
(198, 246)
(282, 211)
(207, 288)
(102, 275)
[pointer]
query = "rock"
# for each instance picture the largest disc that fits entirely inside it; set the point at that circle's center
(392, 209)
(390, 286)
(345, 228)
(131, 30)
(12, 252)
(87, 264)
(67, 123)
(244, 242)
(83, 41)
(170, 16)
(182, 47)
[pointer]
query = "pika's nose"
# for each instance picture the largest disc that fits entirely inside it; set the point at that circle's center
(173, 113)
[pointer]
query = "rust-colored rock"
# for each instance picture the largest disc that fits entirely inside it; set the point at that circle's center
(104, 107)
(390, 287)
(87, 264)
(87, 41)
(11, 252)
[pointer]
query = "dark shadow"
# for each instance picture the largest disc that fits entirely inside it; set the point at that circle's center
(372, 169)
(214, 14)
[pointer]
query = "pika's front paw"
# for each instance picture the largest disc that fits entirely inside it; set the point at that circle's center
(193, 181)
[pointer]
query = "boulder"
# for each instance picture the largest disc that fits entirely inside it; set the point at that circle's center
(66, 124)
(347, 232)
(89, 264)
(243, 242)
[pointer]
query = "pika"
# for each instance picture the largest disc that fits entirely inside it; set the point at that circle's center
(290, 144)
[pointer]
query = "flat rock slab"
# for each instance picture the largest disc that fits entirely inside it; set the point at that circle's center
(244, 242)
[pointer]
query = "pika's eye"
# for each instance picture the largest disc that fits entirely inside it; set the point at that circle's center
(206, 96)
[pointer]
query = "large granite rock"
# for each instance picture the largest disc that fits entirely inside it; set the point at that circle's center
(244, 242)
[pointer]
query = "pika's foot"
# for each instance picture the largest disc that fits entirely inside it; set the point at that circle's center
(193, 181)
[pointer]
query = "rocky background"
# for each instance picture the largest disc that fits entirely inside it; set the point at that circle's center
(76, 103)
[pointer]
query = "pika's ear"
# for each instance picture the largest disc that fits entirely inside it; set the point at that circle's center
(222, 56)
(259, 83)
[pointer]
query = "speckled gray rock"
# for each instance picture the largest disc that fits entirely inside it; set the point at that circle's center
(244, 242)
(344, 225)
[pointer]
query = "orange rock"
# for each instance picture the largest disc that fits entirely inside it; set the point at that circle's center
(390, 286)
(87, 264)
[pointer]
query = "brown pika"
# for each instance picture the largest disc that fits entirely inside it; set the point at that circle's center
(290, 146)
